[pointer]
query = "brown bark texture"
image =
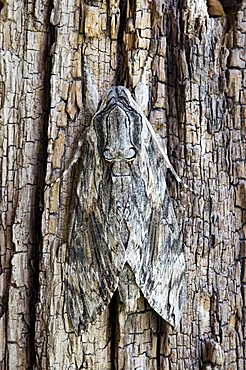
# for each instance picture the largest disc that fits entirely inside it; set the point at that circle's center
(196, 76)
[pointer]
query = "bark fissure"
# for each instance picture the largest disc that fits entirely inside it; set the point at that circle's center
(114, 329)
(120, 66)
(42, 157)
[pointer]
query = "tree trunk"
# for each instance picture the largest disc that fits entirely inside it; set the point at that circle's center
(195, 71)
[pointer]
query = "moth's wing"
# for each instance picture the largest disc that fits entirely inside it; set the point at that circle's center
(95, 258)
(157, 260)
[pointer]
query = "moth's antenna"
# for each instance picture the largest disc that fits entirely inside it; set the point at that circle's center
(141, 91)
(91, 94)
(165, 156)
(74, 160)
(142, 97)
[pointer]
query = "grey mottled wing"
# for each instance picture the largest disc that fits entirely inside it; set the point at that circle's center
(95, 258)
(157, 260)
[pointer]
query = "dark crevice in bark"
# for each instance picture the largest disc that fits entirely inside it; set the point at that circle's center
(114, 327)
(163, 331)
(2, 2)
(232, 15)
(41, 173)
(175, 97)
(158, 346)
(231, 7)
(120, 72)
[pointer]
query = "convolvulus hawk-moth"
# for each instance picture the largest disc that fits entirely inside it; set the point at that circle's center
(123, 214)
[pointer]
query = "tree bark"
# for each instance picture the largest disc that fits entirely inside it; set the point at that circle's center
(195, 72)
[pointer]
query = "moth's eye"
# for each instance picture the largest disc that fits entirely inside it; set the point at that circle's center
(107, 155)
(130, 153)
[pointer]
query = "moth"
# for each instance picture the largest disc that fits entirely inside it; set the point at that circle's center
(123, 214)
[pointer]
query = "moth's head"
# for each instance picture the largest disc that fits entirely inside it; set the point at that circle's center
(139, 100)
(119, 95)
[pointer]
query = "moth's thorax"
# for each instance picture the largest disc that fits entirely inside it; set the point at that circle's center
(119, 146)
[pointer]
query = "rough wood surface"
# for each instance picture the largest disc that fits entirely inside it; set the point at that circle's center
(24, 41)
(195, 70)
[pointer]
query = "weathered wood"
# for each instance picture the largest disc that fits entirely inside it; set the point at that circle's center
(24, 41)
(195, 71)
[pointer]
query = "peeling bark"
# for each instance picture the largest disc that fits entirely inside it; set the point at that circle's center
(195, 71)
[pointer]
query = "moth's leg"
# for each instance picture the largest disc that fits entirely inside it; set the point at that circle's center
(76, 157)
